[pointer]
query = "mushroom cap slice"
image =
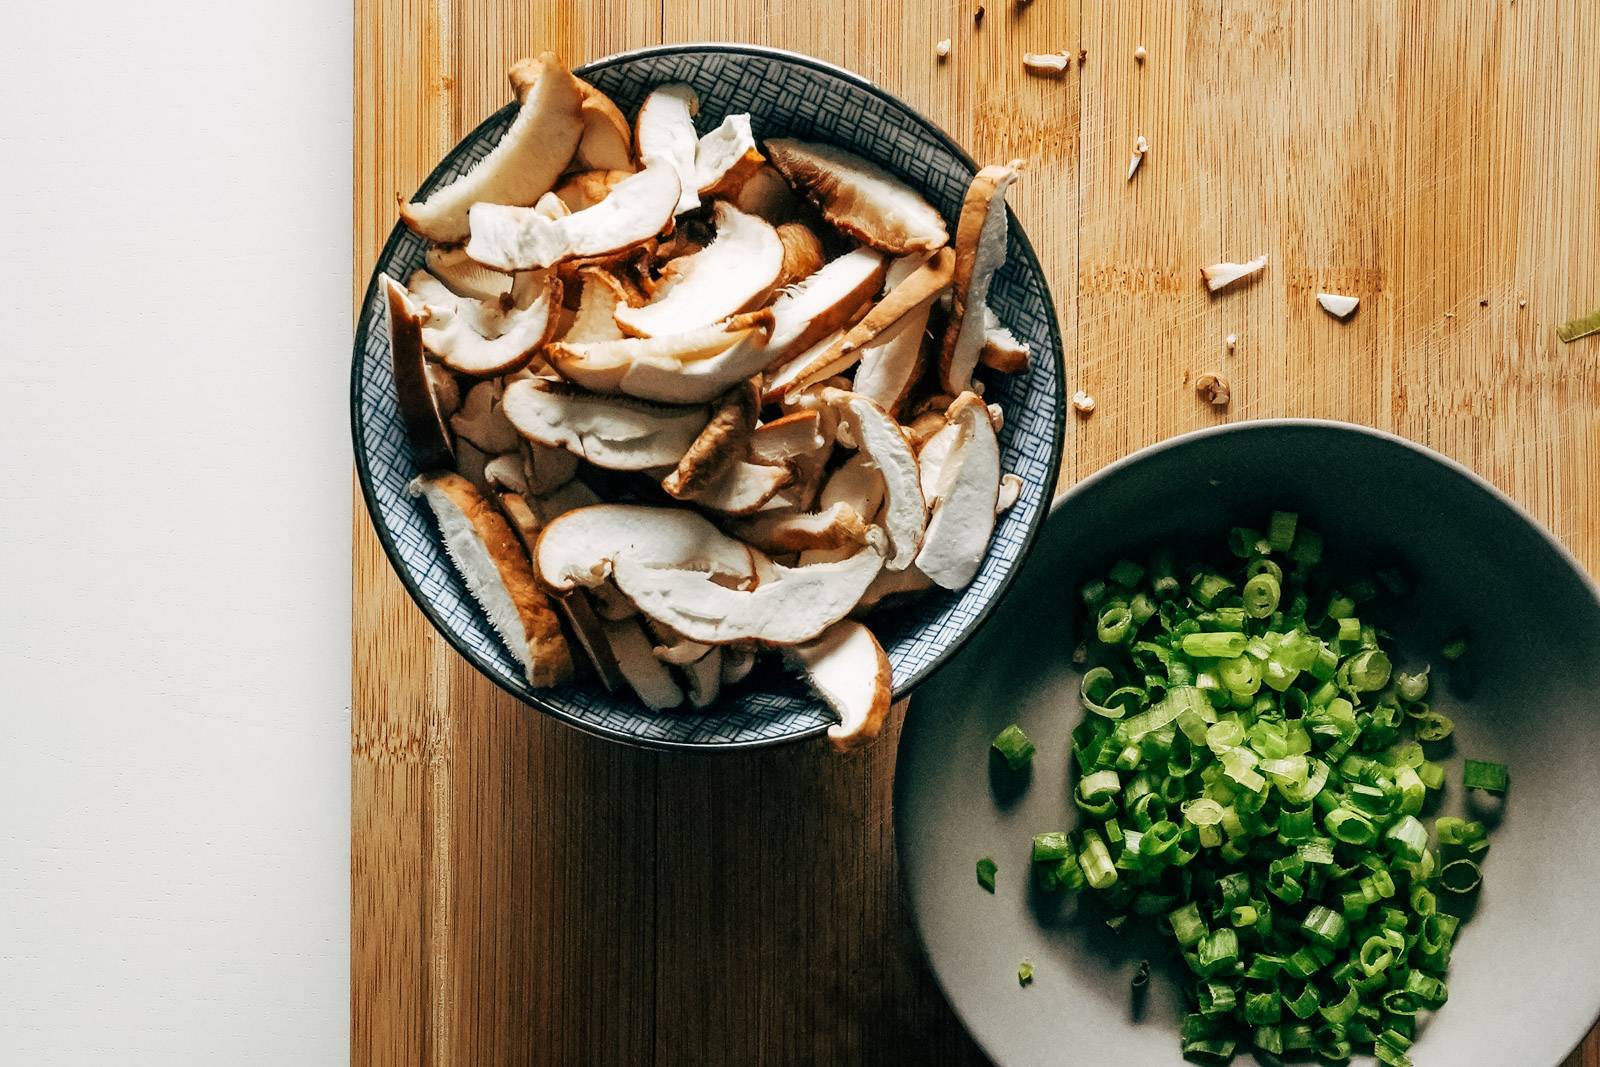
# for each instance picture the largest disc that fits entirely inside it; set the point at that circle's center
(581, 547)
(802, 253)
(798, 433)
(816, 306)
(847, 668)
(617, 433)
(860, 197)
(546, 469)
(638, 208)
(892, 586)
(524, 165)
(665, 136)
(891, 365)
(964, 501)
(482, 421)
(480, 338)
(431, 445)
(784, 382)
(794, 605)
(723, 440)
(506, 473)
(933, 454)
(466, 277)
(688, 368)
(905, 305)
(743, 488)
(878, 435)
(607, 141)
(635, 656)
(1001, 349)
(726, 157)
(735, 271)
(492, 563)
(768, 194)
(574, 607)
(981, 239)
(586, 188)
(858, 483)
(836, 526)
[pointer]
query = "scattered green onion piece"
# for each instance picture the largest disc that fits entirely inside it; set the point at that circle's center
(1115, 624)
(1434, 726)
(1093, 592)
(1412, 687)
(1245, 543)
(1215, 645)
(1280, 530)
(1015, 746)
(1095, 859)
(1582, 326)
(1368, 670)
(1261, 594)
(1345, 1009)
(1455, 646)
(1460, 876)
(1127, 573)
(1209, 588)
(1024, 972)
(1325, 927)
(1408, 838)
(1486, 775)
(986, 872)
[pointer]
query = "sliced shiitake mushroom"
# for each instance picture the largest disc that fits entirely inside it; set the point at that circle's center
(517, 238)
(617, 433)
(980, 250)
(860, 197)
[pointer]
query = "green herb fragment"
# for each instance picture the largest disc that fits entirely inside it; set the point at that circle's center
(1024, 972)
(1582, 326)
(986, 872)
(1455, 646)
(1015, 746)
(1485, 775)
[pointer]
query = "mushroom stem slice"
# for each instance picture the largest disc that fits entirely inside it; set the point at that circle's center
(638, 208)
(788, 437)
(1010, 490)
(860, 197)
(482, 420)
(964, 500)
(726, 157)
(486, 338)
(767, 193)
(431, 445)
(664, 134)
(847, 668)
(802, 253)
(743, 488)
(795, 605)
(1220, 275)
(525, 163)
(879, 436)
(722, 442)
(586, 188)
(495, 569)
(1001, 349)
(735, 271)
(981, 239)
(892, 587)
(617, 433)
(903, 306)
(465, 277)
(581, 547)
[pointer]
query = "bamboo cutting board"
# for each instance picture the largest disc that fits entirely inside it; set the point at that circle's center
(522, 893)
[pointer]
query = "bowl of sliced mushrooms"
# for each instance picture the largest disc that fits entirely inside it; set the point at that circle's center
(707, 396)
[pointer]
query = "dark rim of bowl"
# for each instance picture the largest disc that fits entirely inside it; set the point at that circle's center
(1030, 261)
(1110, 470)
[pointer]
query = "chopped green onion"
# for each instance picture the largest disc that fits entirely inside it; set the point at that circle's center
(986, 872)
(1455, 646)
(1460, 876)
(1215, 645)
(1261, 594)
(1324, 926)
(1015, 746)
(1054, 845)
(1024, 972)
(1486, 775)
(1280, 530)
(1582, 326)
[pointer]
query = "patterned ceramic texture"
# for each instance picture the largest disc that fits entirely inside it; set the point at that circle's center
(786, 95)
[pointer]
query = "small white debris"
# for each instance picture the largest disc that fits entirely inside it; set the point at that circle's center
(1141, 146)
(942, 49)
(1219, 275)
(1522, 303)
(1139, 54)
(1336, 305)
(1048, 64)
(1231, 340)
(1082, 403)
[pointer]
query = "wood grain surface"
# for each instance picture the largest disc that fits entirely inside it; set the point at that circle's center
(526, 894)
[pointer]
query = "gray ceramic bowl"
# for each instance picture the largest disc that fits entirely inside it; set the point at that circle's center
(1525, 980)
(786, 95)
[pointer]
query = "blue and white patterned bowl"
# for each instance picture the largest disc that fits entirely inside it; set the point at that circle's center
(786, 95)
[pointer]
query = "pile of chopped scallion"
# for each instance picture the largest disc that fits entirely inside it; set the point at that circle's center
(1251, 776)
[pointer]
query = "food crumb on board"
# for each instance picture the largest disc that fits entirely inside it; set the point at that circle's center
(1232, 339)
(1213, 389)
(1048, 64)
(1083, 54)
(942, 49)
(1523, 302)
(977, 13)
(1139, 54)
(1024, 972)
(1082, 403)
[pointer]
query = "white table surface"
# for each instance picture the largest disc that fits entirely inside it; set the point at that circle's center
(174, 514)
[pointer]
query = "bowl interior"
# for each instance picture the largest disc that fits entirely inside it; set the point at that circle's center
(785, 95)
(1524, 985)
